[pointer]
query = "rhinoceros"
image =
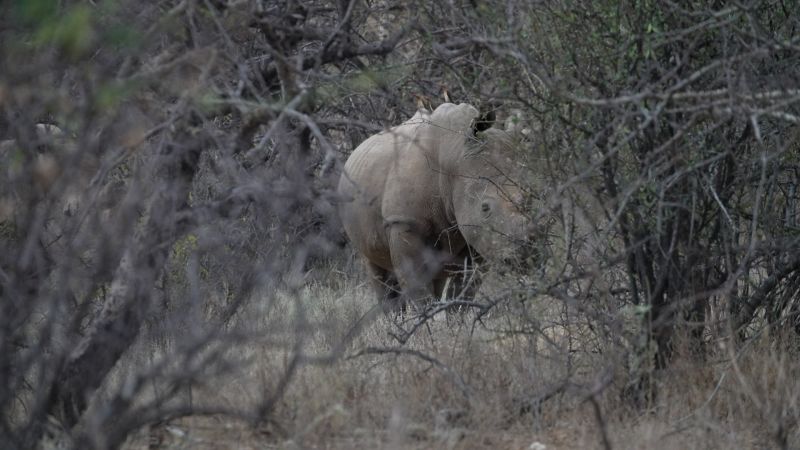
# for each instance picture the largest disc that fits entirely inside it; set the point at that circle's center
(423, 199)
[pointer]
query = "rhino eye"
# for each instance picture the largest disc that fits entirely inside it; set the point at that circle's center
(485, 207)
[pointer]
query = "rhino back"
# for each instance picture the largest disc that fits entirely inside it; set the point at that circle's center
(387, 179)
(362, 188)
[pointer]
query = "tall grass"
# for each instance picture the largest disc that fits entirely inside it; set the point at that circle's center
(460, 384)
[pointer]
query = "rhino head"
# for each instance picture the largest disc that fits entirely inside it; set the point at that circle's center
(485, 178)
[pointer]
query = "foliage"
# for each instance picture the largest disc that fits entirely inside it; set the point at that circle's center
(167, 166)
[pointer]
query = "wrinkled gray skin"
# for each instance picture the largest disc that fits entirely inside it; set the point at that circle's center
(417, 199)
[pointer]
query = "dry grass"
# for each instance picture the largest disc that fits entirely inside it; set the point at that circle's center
(473, 397)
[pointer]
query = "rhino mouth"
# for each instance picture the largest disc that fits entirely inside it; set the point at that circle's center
(526, 256)
(515, 265)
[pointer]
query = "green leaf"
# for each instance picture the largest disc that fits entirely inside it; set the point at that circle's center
(73, 32)
(36, 11)
(122, 36)
(110, 95)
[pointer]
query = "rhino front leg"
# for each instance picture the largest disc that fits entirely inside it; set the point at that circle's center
(463, 275)
(462, 282)
(385, 286)
(414, 264)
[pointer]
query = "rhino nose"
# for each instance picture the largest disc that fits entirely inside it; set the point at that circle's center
(534, 240)
(527, 235)
(536, 231)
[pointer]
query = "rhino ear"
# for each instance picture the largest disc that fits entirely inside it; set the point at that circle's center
(483, 122)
